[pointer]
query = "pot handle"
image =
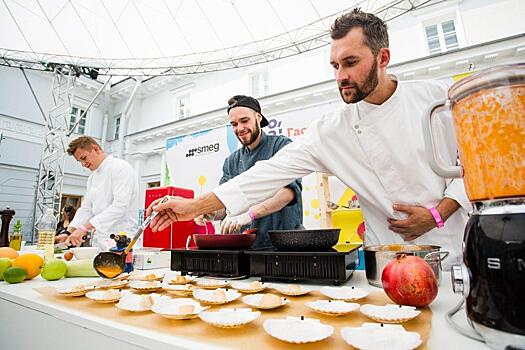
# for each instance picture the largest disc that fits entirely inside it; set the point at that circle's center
(439, 256)
(429, 136)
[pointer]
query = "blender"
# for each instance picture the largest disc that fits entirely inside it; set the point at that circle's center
(488, 113)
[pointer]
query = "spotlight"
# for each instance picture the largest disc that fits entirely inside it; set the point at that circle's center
(91, 72)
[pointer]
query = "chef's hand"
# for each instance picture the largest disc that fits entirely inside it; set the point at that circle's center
(61, 238)
(418, 222)
(75, 238)
(201, 220)
(173, 210)
(233, 224)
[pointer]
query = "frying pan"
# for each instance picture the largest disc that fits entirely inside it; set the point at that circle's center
(217, 241)
(299, 240)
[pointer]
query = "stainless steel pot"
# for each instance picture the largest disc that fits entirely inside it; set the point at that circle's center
(378, 256)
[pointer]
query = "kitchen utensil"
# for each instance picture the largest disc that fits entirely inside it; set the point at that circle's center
(231, 241)
(334, 206)
(84, 252)
(301, 240)
(112, 264)
(378, 256)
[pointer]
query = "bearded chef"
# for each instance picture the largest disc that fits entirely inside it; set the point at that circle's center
(373, 144)
(111, 201)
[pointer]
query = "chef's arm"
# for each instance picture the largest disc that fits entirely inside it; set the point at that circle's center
(216, 215)
(447, 207)
(277, 202)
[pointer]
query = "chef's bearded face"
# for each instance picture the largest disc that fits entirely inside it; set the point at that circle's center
(246, 124)
(355, 66)
(353, 92)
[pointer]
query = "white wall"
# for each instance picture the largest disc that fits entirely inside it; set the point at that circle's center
(23, 128)
(486, 20)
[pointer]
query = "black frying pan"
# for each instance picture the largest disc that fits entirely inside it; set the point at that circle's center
(309, 240)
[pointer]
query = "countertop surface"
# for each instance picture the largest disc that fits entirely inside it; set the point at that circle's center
(21, 298)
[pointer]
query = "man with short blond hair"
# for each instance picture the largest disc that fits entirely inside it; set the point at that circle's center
(111, 201)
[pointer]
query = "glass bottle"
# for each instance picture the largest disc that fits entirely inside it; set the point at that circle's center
(16, 238)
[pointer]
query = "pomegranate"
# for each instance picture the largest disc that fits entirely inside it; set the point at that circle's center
(409, 280)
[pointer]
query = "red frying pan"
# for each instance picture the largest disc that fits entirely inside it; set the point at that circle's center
(234, 241)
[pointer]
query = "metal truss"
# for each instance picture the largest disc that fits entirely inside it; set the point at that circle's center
(51, 168)
(303, 39)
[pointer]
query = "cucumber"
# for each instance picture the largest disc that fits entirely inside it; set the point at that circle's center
(81, 268)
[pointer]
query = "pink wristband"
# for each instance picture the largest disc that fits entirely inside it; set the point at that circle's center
(83, 228)
(437, 217)
(251, 214)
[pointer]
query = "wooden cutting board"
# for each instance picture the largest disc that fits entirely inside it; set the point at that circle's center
(252, 336)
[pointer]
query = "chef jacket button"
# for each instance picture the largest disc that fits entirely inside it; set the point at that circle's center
(359, 132)
(356, 126)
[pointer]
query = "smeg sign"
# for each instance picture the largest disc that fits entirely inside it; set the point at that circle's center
(203, 150)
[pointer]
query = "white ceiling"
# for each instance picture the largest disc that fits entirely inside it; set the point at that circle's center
(157, 35)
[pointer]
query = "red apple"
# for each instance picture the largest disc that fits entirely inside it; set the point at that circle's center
(409, 280)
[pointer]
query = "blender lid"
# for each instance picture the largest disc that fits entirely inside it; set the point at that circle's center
(487, 78)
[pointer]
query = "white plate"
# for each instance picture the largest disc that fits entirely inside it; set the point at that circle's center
(139, 302)
(344, 293)
(141, 276)
(332, 307)
(104, 296)
(252, 287)
(179, 289)
(212, 296)
(212, 284)
(377, 336)
(111, 284)
(75, 291)
(174, 308)
(297, 330)
(292, 289)
(178, 279)
(390, 313)
(230, 318)
(145, 286)
(257, 301)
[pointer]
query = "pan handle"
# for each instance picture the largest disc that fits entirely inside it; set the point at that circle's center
(439, 256)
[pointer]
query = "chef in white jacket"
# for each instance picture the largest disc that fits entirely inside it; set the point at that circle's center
(111, 201)
(373, 144)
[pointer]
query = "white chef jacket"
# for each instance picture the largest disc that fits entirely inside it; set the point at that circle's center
(111, 201)
(380, 155)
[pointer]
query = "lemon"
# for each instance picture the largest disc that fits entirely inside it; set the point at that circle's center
(15, 275)
(54, 269)
(5, 263)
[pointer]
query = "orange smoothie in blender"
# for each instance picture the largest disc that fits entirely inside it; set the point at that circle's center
(490, 129)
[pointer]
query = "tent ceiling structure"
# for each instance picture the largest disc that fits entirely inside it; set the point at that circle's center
(171, 37)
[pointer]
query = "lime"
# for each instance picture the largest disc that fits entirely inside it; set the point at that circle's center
(54, 269)
(15, 275)
(5, 263)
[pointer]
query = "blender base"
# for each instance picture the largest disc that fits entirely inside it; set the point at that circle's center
(499, 340)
